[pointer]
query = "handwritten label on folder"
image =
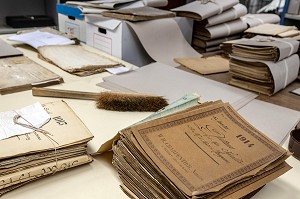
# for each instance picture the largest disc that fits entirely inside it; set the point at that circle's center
(205, 149)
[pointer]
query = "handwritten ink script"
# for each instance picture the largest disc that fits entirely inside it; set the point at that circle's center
(205, 148)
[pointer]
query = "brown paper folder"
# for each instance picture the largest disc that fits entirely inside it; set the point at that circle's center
(138, 14)
(202, 9)
(220, 30)
(197, 153)
(21, 73)
(265, 48)
(76, 59)
(61, 145)
(209, 65)
(263, 76)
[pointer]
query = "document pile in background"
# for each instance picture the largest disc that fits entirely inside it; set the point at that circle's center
(214, 22)
(19, 73)
(76, 59)
(59, 145)
(274, 30)
(206, 151)
(264, 64)
(138, 14)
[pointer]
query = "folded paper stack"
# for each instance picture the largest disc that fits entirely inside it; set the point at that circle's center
(264, 64)
(274, 30)
(219, 21)
(138, 14)
(198, 152)
(58, 145)
(76, 59)
(210, 28)
(257, 19)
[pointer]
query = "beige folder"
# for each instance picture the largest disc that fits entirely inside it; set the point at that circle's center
(202, 9)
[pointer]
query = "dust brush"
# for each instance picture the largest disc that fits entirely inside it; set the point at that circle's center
(115, 101)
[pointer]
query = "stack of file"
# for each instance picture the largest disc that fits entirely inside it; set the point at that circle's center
(211, 28)
(198, 152)
(19, 73)
(59, 145)
(264, 64)
(257, 19)
(274, 30)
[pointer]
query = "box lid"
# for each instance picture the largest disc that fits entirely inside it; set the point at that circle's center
(70, 11)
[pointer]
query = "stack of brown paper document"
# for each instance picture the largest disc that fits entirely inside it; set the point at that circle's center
(58, 145)
(265, 48)
(138, 14)
(20, 73)
(75, 59)
(274, 30)
(264, 64)
(202, 9)
(209, 33)
(206, 151)
(264, 77)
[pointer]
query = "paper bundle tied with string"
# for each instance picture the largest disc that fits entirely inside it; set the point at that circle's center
(58, 145)
(264, 64)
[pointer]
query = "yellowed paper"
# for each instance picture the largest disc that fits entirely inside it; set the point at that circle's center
(76, 59)
(204, 151)
(209, 65)
(21, 73)
(66, 129)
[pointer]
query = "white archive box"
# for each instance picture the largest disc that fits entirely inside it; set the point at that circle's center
(71, 21)
(117, 38)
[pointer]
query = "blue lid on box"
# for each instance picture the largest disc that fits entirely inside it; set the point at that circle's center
(70, 11)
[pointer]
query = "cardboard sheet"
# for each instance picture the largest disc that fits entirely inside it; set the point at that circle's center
(163, 40)
(275, 121)
(173, 83)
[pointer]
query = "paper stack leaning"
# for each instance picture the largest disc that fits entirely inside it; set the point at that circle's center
(206, 151)
(28, 157)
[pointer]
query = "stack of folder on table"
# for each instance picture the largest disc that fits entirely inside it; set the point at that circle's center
(274, 30)
(19, 73)
(59, 145)
(205, 151)
(258, 19)
(214, 22)
(264, 64)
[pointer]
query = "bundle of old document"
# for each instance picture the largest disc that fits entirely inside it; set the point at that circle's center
(138, 14)
(264, 64)
(209, 33)
(76, 59)
(274, 30)
(19, 73)
(58, 145)
(206, 151)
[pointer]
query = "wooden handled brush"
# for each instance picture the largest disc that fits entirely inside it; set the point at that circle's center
(114, 101)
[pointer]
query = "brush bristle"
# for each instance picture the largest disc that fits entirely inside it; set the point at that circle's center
(130, 102)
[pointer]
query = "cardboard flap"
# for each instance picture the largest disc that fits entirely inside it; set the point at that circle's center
(103, 22)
